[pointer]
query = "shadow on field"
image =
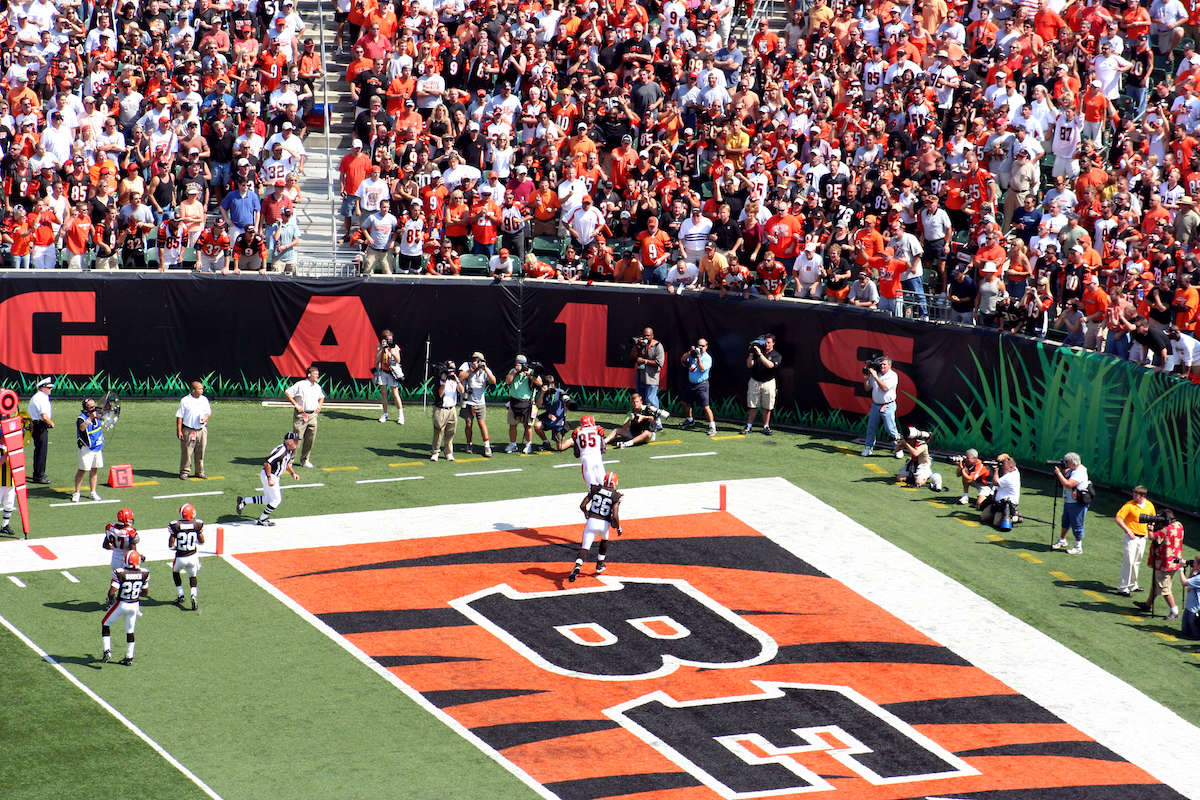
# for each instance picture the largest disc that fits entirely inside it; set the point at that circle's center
(247, 460)
(558, 576)
(388, 452)
(155, 473)
(537, 536)
(348, 414)
(89, 661)
(86, 606)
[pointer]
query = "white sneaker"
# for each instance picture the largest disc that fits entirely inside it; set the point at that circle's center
(962, 501)
(1076, 550)
(449, 456)
(511, 448)
(899, 454)
(470, 448)
(75, 497)
(384, 418)
(433, 457)
(866, 453)
(712, 430)
(308, 464)
(1059, 545)
(400, 417)
(487, 450)
(95, 497)
(528, 448)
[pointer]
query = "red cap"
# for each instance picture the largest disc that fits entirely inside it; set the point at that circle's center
(503, 251)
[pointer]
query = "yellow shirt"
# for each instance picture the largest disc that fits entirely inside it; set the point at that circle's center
(1129, 514)
(737, 141)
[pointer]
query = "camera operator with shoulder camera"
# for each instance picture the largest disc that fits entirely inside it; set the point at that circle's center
(698, 363)
(973, 473)
(1166, 558)
(649, 356)
(918, 470)
(1132, 520)
(552, 422)
(476, 377)
(388, 374)
(447, 389)
(762, 360)
(1191, 602)
(999, 507)
(639, 428)
(880, 380)
(1077, 496)
(523, 382)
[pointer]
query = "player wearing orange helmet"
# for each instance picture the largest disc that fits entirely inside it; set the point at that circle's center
(120, 537)
(185, 536)
(130, 583)
(602, 509)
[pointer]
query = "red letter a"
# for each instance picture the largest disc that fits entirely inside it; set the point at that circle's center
(346, 319)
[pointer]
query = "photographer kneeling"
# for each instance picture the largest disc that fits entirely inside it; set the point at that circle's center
(973, 473)
(555, 403)
(639, 428)
(999, 507)
(918, 470)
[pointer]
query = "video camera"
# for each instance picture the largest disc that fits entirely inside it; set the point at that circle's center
(758, 344)
(445, 370)
(872, 364)
(695, 352)
(534, 368)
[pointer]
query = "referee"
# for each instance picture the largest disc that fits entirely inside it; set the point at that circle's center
(277, 463)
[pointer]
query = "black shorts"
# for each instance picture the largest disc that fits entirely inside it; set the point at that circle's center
(698, 394)
(340, 16)
(411, 263)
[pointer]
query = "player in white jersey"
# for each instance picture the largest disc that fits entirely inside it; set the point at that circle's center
(186, 534)
(120, 537)
(412, 241)
(277, 463)
(130, 583)
(602, 509)
(587, 441)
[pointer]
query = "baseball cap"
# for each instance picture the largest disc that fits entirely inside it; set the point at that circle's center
(473, 125)
(287, 211)
(356, 143)
(503, 251)
(522, 359)
(279, 183)
(287, 126)
(243, 162)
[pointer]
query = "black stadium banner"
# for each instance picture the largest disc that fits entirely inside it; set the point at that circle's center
(971, 387)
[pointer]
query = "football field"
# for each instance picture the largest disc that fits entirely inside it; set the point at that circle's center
(418, 637)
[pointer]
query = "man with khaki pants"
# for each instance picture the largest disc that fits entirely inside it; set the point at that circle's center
(191, 427)
(307, 397)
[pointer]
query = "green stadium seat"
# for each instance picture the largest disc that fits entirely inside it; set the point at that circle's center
(556, 245)
(474, 265)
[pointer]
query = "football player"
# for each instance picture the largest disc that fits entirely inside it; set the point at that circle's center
(278, 462)
(587, 442)
(130, 583)
(602, 509)
(121, 537)
(186, 533)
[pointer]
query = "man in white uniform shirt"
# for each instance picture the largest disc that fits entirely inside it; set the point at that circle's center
(307, 398)
(42, 413)
(191, 428)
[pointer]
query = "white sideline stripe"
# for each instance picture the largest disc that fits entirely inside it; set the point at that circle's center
(390, 480)
(489, 472)
(325, 406)
(70, 577)
(300, 486)
(576, 464)
(17, 581)
(204, 787)
(384, 673)
(685, 455)
(189, 494)
(83, 503)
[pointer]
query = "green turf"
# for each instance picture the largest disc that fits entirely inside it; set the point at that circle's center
(256, 681)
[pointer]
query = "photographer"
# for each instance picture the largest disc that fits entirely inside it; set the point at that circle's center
(973, 473)
(881, 382)
(522, 383)
(388, 374)
(638, 429)
(1131, 520)
(554, 403)
(648, 356)
(999, 506)
(1073, 321)
(1077, 496)
(1166, 558)
(447, 389)
(475, 377)
(919, 469)
(1191, 602)
(698, 363)
(762, 362)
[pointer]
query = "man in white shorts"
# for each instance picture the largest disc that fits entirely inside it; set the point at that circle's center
(918, 470)
(89, 439)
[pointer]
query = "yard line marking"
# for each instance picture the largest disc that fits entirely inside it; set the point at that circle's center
(1131, 616)
(188, 494)
(685, 455)
(213, 478)
(909, 488)
(970, 523)
(70, 577)
(1030, 558)
(668, 441)
(733, 436)
(301, 486)
(204, 787)
(84, 503)
(996, 539)
(144, 483)
(540, 453)
(1166, 636)
(487, 472)
(469, 460)
(936, 504)
(406, 464)
(576, 464)
(878, 470)
(389, 480)
(338, 469)
(1096, 596)
(43, 552)
(1062, 576)
(17, 581)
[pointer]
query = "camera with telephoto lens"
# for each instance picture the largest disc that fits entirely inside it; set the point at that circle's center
(534, 368)
(1056, 462)
(640, 342)
(957, 459)
(1155, 520)
(695, 352)
(918, 434)
(758, 344)
(872, 364)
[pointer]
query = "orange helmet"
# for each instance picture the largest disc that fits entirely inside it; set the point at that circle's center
(133, 559)
(125, 516)
(610, 480)
(187, 512)
(587, 420)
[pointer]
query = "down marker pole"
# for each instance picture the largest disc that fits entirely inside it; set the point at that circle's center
(722, 497)
(220, 540)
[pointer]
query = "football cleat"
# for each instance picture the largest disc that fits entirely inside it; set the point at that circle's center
(194, 605)
(610, 480)
(601, 567)
(104, 659)
(574, 574)
(133, 559)
(125, 516)
(266, 523)
(587, 421)
(187, 512)
(6, 531)
(127, 661)
(179, 601)
(241, 504)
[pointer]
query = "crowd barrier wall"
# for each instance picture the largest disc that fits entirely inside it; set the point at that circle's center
(251, 336)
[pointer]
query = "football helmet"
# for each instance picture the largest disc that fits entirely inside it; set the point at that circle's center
(187, 512)
(125, 516)
(610, 480)
(133, 559)
(587, 421)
